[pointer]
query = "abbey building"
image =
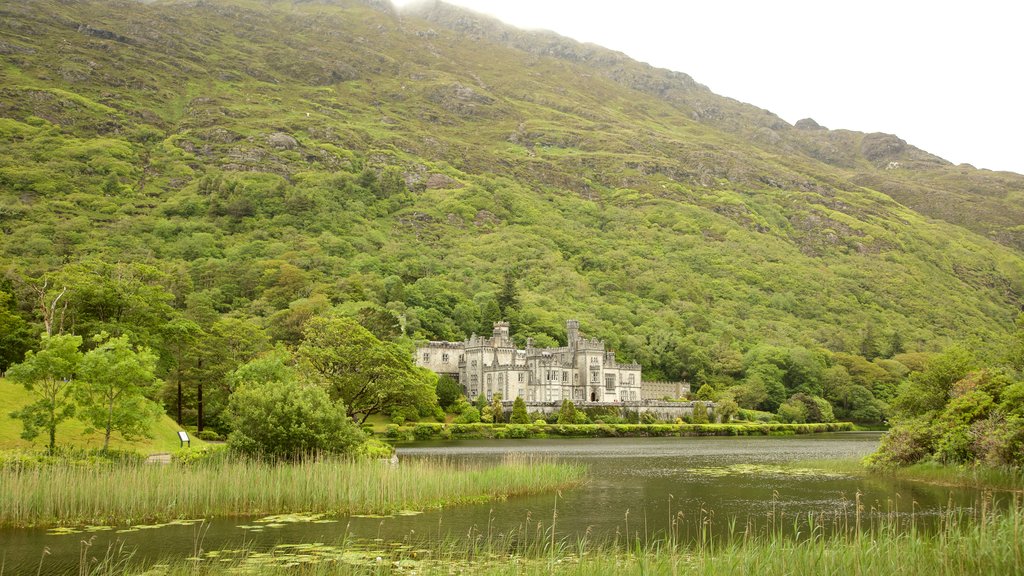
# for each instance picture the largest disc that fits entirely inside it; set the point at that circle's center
(582, 371)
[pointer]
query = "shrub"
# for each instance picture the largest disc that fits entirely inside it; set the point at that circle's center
(448, 391)
(374, 448)
(425, 431)
(210, 436)
(700, 413)
(393, 431)
(469, 415)
(287, 419)
(192, 456)
(519, 415)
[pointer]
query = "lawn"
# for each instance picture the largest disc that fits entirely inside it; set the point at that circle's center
(73, 433)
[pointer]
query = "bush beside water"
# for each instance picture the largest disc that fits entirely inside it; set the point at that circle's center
(431, 431)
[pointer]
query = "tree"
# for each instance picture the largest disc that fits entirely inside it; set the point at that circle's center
(519, 415)
(448, 391)
(49, 374)
(15, 335)
(497, 409)
(273, 413)
(929, 390)
(368, 376)
(112, 387)
(180, 337)
(508, 297)
(700, 413)
(567, 413)
(706, 393)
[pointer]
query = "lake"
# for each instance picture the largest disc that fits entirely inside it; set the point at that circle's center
(635, 486)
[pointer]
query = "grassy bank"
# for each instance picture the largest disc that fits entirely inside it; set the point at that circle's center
(981, 543)
(72, 433)
(977, 476)
(133, 492)
(432, 431)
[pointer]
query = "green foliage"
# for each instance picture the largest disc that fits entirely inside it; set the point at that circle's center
(240, 211)
(700, 413)
(366, 375)
(113, 388)
(497, 409)
(448, 391)
(567, 412)
(519, 415)
(285, 417)
(469, 415)
(15, 334)
(49, 375)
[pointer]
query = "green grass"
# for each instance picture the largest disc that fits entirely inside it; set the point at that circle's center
(134, 492)
(73, 432)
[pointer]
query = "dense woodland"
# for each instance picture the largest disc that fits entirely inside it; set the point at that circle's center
(204, 178)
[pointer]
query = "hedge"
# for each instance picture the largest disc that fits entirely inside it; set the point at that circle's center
(434, 431)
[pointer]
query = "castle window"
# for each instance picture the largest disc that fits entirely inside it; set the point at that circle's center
(488, 379)
(565, 376)
(609, 382)
(595, 377)
(444, 358)
(521, 378)
(462, 358)
(473, 363)
(426, 357)
(632, 379)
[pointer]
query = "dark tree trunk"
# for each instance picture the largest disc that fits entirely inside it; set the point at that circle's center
(199, 400)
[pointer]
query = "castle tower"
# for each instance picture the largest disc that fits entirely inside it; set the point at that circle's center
(501, 330)
(572, 327)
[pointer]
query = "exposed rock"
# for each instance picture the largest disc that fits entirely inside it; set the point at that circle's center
(485, 218)
(808, 124)
(878, 147)
(436, 181)
(282, 141)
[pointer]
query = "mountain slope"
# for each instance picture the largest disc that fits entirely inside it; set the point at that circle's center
(274, 158)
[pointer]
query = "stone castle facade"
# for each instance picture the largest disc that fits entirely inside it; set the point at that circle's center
(581, 371)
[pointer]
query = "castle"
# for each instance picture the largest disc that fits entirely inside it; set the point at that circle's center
(582, 371)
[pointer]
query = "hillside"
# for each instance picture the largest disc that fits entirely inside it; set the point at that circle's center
(262, 161)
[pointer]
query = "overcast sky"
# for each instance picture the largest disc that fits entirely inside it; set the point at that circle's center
(945, 79)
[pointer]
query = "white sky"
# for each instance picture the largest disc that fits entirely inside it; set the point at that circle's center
(946, 78)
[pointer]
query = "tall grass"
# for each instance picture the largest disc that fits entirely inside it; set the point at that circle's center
(977, 542)
(978, 476)
(135, 492)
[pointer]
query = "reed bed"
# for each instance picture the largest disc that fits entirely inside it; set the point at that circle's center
(975, 542)
(135, 492)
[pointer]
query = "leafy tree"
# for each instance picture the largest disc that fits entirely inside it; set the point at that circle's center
(706, 393)
(49, 374)
(480, 402)
(469, 415)
(15, 335)
(448, 391)
(180, 336)
(273, 413)
(114, 380)
(519, 415)
(700, 413)
(567, 412)
(929, 390)
(497, 409)
(368, 376)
